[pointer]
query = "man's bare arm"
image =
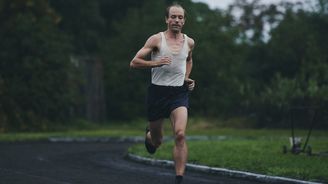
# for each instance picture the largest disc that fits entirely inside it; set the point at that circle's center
(189, 58)
(139, 60)
(189, 64)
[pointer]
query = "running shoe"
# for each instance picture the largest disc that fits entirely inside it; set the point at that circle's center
(178, 179)
(150, 148)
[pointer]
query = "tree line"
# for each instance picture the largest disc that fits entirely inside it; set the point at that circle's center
(257, 65)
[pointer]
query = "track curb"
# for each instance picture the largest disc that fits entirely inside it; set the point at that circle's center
(220, 171)
(192, 167)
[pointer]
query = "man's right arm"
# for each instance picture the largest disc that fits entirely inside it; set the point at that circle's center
(139, 60)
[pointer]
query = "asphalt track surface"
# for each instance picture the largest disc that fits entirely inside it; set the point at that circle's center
(86, 163)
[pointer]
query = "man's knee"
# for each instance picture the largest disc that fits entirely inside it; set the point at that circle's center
(180, 136)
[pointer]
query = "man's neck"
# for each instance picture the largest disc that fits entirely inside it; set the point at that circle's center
(173, 35)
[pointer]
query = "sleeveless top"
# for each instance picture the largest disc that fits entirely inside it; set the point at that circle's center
(174, 73)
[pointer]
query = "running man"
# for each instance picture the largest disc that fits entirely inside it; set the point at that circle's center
(171, 64)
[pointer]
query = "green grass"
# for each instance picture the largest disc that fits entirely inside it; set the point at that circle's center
(117, 129)
(14, 137)
(259, 156)
(251, 150)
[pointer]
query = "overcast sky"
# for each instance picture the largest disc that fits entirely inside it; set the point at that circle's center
(222, 4)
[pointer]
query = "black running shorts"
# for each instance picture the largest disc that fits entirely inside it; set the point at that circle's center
(162, 100)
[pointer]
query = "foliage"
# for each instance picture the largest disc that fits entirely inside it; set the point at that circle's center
(295, 69)
(130, 85)
(240, 69)
(83, 22)
(36, 76)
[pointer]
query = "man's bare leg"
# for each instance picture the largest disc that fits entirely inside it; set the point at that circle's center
(155, 135)
(179, 118)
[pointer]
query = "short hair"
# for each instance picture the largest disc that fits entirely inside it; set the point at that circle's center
(175, 4)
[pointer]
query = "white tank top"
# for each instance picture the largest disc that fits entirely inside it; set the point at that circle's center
(174, 73)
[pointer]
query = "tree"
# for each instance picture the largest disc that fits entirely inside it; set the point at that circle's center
(37, 83)
(126, 88)
(295, 68)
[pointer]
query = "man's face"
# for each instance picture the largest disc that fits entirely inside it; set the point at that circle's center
(176, 19)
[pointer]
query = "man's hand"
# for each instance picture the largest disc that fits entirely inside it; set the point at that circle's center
(165, 60)
(190, 84)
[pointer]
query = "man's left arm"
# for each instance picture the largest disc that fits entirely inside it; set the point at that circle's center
(189, 64)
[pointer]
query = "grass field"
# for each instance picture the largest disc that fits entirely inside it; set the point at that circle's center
(262, 156)
(81, 129)
(245, 149)
(251, 150)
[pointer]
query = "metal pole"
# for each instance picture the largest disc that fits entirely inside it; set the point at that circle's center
(313, 121)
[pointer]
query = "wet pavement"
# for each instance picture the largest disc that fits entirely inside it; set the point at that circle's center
(87, 163)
